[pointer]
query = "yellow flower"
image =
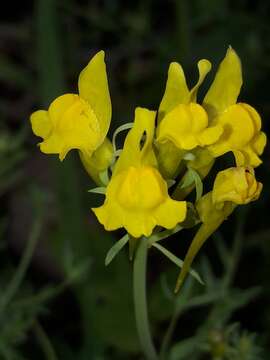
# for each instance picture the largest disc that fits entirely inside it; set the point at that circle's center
(186, 126)
(241, 135)
(241, 123)
(232, 187)
(183, 124)
(77, 121)
(137, 195)
(236, 184)
(177, 91)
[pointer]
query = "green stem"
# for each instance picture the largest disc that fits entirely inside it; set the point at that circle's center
(168, 335)
(140, 302)
(236, 249)
(44, 342)
(23, 265)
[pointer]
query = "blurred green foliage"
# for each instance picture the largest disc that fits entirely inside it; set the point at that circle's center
(70, 306)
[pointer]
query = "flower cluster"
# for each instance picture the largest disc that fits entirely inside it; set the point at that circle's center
(166, 154)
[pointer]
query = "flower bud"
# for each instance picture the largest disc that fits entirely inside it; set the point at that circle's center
(237, 185)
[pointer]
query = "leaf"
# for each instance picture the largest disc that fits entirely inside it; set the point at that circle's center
(170, 183)
(98, 190)
(193, 177)
(198, 184)
(114, 250)
(163, 235)
(178, 261)
(187, 180)
(184, 349)
(205, 299)
(104, 177)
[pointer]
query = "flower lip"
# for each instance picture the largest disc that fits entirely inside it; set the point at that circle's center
(242, 135)
(74, 125)
(142, 189)
(187, 127)
(137, 199)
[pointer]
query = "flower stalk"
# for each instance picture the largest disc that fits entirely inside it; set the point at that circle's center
(140, 301)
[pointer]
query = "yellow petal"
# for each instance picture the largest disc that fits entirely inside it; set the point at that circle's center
(74, 125)
(93, 87)
(137, 199)
(249, 157)
(138, 149)
(139, 224)
(170, 213)
(204, 67)
(110, 215)
(241, 135)
(240, 158)
(237, 185)
(254, 115)
(141, 188)
(189, 142)
(52, 145)
(226, 86)
(60, 105)
(259, 142)
(238, 130)
(210, 135)
(79, 128)
(41, 123)
(184, 126)
(176, 91)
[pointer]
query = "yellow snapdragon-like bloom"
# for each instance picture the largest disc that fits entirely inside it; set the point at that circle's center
(177, 91)
(242, 135)
(137, 195)
(186, 126)
(77, 121)
(236, 184)
(183, 124)
(241, 123)
(232, 187)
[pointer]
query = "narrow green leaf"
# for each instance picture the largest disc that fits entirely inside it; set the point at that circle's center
(184, 349)
(187, 180)
(163, 235)
(193, 177)
(170, 183)
(98, 190)
(114, 250)
(198, 184)
(178, 261)
(104, 177)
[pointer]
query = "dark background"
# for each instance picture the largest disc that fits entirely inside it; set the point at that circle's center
(76, 305)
